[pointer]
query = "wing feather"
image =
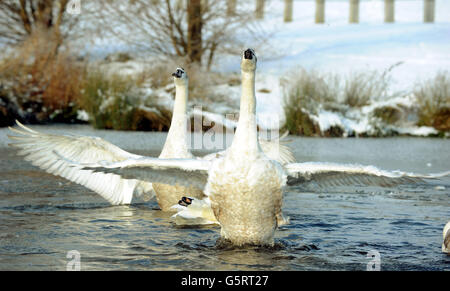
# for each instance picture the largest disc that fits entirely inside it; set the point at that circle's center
(182, 172)
(333, 174)
(39, 149)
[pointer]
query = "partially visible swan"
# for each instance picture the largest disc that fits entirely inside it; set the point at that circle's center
(244, 186)
(40, 148)
(446, 239)
(176, 145)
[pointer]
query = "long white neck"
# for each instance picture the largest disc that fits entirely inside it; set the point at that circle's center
(246, 138)
(176, 142)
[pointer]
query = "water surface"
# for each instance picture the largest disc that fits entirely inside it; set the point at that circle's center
(43, 217)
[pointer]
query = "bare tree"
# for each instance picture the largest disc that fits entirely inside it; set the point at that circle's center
(195, 32)
(19, 19)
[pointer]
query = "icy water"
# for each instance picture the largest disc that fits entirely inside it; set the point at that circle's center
(43, 218)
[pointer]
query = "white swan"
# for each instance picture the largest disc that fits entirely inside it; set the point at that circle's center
(244, 186)
(446, 238)
(176, 145)
(39, 149)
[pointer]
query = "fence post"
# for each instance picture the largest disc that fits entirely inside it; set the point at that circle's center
(354, 11)
(429, 7)
(259, 9)
(231, 7)
(389, 10)
(288, 10)
(179, 5)
(320, 11)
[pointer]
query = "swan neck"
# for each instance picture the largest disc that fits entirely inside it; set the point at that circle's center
(180, 104)
(246, 136)
(177, 135)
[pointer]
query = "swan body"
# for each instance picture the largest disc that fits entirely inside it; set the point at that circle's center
(446, 238)
(245, 186)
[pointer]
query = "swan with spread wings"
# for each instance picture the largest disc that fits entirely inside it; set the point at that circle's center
(244, 186)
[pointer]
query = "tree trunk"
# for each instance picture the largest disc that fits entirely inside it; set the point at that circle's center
(288, 10)
(194, 16)
(320, 11)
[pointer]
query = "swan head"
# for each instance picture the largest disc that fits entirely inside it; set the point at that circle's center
(180, 77)
(248, 62)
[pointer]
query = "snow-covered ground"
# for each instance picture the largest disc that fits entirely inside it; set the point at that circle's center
(420, 50)
(339, 47)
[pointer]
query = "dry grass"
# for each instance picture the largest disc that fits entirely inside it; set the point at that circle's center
(307, 92)
(302, 95)
(114, 102)
(433, 99)
(45, 84)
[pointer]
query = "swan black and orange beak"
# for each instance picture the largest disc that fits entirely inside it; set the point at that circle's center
(185, 201)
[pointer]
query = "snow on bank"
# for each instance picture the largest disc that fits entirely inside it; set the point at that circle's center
(338, 47)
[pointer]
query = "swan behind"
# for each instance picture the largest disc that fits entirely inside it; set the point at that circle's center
(176, 146)
(446, 238)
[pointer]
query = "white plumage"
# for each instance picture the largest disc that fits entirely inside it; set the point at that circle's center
(39, 149)
(446, 238)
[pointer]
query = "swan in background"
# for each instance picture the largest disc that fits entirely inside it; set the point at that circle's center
(446, 239)
(244, 186)
(40, 148)
(176, 145)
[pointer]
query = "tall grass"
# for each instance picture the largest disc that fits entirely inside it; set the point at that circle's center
(42, 81)
(303, 92)
(115, 102)
(433, 99)
(308, 92)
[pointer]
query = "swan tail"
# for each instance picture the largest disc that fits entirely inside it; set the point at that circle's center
(193, 212)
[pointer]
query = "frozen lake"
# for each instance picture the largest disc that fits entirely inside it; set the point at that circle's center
(43, 217)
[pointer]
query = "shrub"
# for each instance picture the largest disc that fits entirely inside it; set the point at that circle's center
(114, 102)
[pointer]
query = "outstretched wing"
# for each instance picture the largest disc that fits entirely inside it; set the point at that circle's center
(333, 174)
(182, 172)
(274, 149)
(39, 149)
